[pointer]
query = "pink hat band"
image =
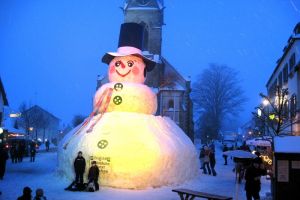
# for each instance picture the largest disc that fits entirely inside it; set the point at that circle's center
(127, 50)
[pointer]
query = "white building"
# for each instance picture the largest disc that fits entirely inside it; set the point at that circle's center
(286, 75)
(3, 102)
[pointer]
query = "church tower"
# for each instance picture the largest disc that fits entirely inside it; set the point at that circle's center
(149, 13)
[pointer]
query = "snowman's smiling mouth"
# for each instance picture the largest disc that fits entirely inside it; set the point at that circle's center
(123, 75)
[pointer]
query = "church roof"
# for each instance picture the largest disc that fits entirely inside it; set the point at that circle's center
(176, 80)
(36, 107)
(143, 4)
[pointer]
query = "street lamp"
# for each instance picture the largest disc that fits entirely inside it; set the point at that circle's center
(265, 102)
(259, 112)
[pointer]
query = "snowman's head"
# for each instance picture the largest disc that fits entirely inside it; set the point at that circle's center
(127, 69)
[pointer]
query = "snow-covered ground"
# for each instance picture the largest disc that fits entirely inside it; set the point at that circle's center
(42, 174)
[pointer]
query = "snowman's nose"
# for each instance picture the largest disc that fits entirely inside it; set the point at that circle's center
(122, 65)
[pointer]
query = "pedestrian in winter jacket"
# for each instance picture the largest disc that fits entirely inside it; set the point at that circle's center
(225, 156)
(32, 154)
(3, 159)
(206, 167)
(94, 175)
(26, 194)
(201, 157)
(212, 162)
(253, 174)
(13, 154)
(79, 166)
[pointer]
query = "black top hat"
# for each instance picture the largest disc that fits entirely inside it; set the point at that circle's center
(130, 43)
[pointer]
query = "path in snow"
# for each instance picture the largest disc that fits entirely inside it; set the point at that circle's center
(42, 174)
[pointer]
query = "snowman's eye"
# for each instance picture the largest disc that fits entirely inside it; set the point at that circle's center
(118, 63)
(130, 63)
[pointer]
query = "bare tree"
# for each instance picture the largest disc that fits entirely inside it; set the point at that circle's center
(276, 116)
(217, 94)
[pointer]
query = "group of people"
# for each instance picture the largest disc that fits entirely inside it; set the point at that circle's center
(250, 169)
(93, 175)
(39, 194)
(208, 159)
(17, 152)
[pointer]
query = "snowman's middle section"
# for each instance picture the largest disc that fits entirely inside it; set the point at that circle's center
(129, 97)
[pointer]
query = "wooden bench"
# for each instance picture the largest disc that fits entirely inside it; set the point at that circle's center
(186, 194)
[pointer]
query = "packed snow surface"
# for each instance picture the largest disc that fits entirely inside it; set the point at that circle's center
(43, 174)
(133, 150)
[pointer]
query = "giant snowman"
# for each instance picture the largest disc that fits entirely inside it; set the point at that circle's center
(133, 148)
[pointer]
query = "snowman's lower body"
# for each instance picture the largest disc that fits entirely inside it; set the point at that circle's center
(133, 150)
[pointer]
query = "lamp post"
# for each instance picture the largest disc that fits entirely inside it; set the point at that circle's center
(30, 131)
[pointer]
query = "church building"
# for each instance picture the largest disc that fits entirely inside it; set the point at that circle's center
(173, 90)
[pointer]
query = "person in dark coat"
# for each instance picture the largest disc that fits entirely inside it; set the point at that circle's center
(201, 157)
(26, 194)
(212, 162)
(3, 159)
(225, 156)
(20, 151)
(94, 175)
(13, 154)
(206, 167)
(47, 143)
(32, 153)
(79, 166)
(252, 177)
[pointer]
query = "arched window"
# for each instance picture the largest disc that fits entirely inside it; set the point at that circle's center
(171, 104)
(146, 36)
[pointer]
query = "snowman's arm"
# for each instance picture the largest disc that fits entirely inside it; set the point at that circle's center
(100, 99)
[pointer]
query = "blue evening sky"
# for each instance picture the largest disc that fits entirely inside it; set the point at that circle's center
(50, 50)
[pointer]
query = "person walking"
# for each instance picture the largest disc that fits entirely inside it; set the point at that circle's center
(20, 151)
(252, 177)
(206, 167)
(3, 159)
(94, 175)
(201, 157)
(32, 153)
(212, 162)
(47, 143)
(26, 194)
(225, 148)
